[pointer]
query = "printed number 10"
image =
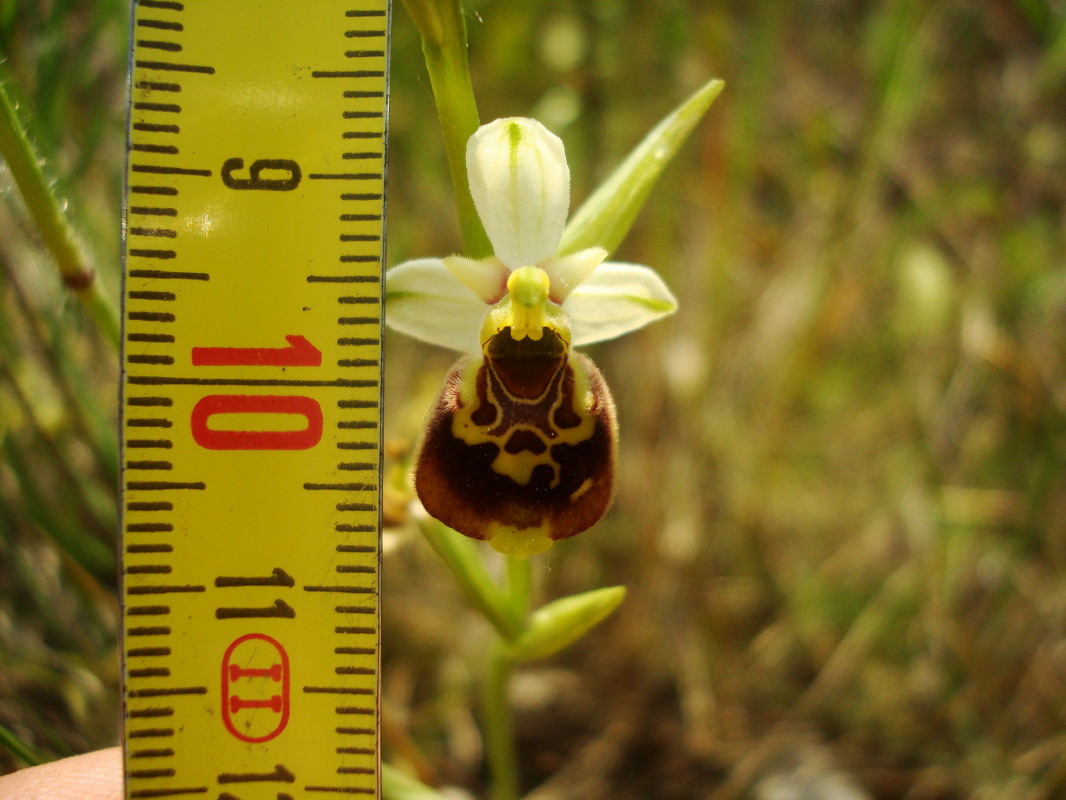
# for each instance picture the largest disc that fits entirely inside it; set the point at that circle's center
(299, 353)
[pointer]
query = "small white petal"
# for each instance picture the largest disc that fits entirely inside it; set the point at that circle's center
(487, 279)
(566, 272)
(521, 188)
(617, 299)
(424, 300)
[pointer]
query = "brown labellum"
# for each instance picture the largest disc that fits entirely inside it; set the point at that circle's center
(520, 447)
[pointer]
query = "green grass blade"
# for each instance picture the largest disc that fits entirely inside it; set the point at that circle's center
(23, 751)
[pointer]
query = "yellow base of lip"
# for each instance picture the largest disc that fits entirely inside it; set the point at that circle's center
(519, 542)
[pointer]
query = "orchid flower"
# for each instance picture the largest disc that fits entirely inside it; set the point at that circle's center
(520, 447)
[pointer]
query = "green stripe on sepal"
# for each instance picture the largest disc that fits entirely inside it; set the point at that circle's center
(607, 215)
(564, 621)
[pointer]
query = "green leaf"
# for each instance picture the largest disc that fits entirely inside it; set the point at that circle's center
(607, 215)
(461, 556)
(564, 621)
(396, 785)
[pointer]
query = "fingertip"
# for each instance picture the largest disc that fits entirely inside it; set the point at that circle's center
(92, 776)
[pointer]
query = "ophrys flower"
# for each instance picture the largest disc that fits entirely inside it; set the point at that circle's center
(520, 447)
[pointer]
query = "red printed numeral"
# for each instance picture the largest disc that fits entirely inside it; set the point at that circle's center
(255, 688)
(299, 353)
(213, 439)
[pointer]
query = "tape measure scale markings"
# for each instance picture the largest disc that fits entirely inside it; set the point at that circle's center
(251, 398)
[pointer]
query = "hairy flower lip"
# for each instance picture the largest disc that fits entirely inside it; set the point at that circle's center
(518, 497)
(520, 183)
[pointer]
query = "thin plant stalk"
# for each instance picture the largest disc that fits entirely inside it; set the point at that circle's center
(499, 724)
(519, 587)
(507, 609)
(47, 211)
(500, 747)
(443, 31)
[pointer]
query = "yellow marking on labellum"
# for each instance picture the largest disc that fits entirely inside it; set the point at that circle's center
(581, 490)
(526, 418)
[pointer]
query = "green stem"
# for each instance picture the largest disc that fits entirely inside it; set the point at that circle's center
(443, 30)
(45, 207)
(499, 725)
(519, 586)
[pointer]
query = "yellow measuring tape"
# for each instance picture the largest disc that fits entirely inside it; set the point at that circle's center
(251, 398)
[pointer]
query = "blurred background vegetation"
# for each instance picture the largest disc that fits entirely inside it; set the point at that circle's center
(842, 500)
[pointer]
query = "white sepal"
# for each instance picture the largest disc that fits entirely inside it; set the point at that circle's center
(521, 187)
(424, 300)
(616, 299)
